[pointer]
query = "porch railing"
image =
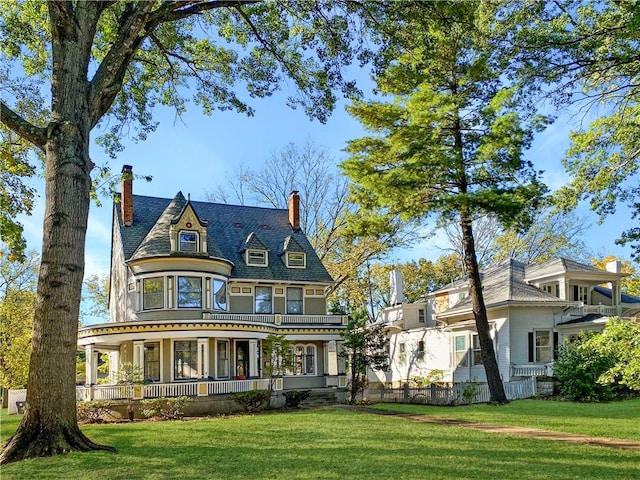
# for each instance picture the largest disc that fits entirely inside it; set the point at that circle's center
(582, 310)
(277, 319)
(541, 370)
(155, 390)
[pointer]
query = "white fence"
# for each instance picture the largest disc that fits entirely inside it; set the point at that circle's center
(453, 394)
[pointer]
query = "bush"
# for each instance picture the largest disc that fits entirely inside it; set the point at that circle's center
(252, 400)
(94, 411)
(165, 408)
(578, 369)
(294, 398)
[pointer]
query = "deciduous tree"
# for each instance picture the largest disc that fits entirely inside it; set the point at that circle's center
(448, 140)
(106, 64)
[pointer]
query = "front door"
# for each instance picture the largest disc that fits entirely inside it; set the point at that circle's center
(242, 359)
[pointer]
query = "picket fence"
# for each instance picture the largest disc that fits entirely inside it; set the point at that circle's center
(451, 394)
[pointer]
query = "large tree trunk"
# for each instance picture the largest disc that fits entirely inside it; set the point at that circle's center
(50, 423)
(496, 389)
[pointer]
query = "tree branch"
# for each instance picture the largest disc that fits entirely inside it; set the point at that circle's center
(28, 131)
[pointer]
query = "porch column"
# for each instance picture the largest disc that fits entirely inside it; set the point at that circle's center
(138, 355)
(114, 366)
(90, 373)
(253, 358)
(563, 289)
(330, 358)
(203, 357)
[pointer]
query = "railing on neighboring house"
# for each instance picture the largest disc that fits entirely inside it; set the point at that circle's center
(453, 394)
(539, 370)
(582, 310)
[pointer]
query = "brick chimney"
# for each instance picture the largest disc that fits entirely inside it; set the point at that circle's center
(294, 210)
(126, 196)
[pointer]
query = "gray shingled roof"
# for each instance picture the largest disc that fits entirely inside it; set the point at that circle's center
(504, 283)
(558, 265)
(228, 228)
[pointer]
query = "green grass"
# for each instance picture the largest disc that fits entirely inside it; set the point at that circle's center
(320, 444)
(614, 419)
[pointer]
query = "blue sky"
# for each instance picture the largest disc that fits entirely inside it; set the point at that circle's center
(194, 154)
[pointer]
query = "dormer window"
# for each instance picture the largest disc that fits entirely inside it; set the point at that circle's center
(296, 260)
(188, 241)
(257, 258)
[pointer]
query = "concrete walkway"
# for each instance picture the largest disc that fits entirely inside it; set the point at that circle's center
(507, 430)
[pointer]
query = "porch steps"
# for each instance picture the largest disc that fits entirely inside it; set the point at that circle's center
(320, 398)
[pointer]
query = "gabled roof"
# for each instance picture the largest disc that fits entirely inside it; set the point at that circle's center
(253, 242)
(503, 284)
(228, 229)
(291, 245)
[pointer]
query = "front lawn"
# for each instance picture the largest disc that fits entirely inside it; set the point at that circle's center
(614, 419)
(320, 444)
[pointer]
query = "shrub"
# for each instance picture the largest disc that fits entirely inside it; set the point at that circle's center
(165, 408)
(252, 400)
(578, 369)
(293, 398)
(94, 411)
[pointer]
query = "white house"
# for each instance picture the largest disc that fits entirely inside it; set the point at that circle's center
(531, 310)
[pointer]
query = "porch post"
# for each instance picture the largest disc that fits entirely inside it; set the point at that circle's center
(114, 366)
(563, 289)
(90, 364)
(331, 358)
(203, 357)
(138, 355)
(253, 358)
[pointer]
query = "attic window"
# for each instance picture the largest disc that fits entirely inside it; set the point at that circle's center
(188, 241)
(257, 258)
(296, 260)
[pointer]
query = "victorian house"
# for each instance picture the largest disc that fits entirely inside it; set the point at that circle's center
(197, 286)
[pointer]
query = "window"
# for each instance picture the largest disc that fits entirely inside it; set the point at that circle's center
(223, 358)
(152, 362)
(189, 292)
(188, 241)
(219, 294)
(294, 300)
(304, 359)
(420, 351)
(263, 299)
(581, 294)
(152, 293)
(477, 351)
(402, 356)
(544, 348)
(257, 258)
(185, 359)
(461, 351)
(421, 315)
(296, 260)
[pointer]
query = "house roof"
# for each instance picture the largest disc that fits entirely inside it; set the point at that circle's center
(230, 230)
(504, 284)
(587, 318)
(559, 265)
(625, 298)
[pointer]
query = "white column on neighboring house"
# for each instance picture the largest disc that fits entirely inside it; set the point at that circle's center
(331, 358)
(114, 366)
(138, 355)
(563, 289)
(90, 373)
(203, 357)
(253, 358)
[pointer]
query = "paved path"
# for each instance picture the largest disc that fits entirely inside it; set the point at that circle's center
(508, 430)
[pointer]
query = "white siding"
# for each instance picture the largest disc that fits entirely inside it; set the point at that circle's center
(524, 320)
